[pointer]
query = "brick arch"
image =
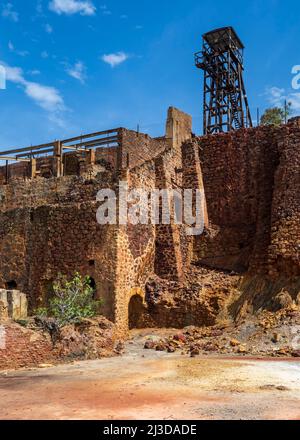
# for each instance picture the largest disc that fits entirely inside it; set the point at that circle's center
(136, 291)
(136, 307)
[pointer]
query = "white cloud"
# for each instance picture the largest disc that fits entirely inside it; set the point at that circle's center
(22, 53)
(70, 7)
(78, 71)
(34, 72)
(14, 74)
(46, 97)
(39, 7)
(44, 54)
(56, 119)
(9, 12)
(114, 59)
(48, 29)
(294, 99)
(277, 96)
(105, 10)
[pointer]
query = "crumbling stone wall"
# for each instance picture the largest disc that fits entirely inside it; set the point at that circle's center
(251, 216)
(30, 344)
(20, 347)
(251, 180)
(146, 249)
(178, 127)
(284, 250)
(137, 148)
(49, 227)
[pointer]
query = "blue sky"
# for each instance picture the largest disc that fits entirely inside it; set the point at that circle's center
(79, 66)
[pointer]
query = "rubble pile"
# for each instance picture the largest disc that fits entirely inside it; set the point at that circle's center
(89, 339)
(201, 299)
(267, 334)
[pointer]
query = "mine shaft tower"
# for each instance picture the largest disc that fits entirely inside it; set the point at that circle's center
(225, 101)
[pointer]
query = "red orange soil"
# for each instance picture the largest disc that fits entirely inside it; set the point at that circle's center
(144, 384)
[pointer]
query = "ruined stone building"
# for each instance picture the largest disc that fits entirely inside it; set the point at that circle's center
(251, 179)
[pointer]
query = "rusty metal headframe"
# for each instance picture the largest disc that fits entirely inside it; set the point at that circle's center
(225, 106)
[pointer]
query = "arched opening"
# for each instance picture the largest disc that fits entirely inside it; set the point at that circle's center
(94, 287)
(48, 292)
(135, 312)
(11, 285)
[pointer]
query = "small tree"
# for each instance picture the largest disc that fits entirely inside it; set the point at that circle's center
(73, 300)
(276, 115)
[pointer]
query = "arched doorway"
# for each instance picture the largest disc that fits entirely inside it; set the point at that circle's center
(135, 312)
(93, 285)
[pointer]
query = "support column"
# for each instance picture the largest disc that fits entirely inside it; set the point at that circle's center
(57, 158)
(32, 168)
(91, 157)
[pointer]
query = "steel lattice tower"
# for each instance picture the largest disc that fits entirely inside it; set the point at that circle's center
(225, 101)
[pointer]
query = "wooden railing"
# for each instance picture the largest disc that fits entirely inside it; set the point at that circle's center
(83, 144)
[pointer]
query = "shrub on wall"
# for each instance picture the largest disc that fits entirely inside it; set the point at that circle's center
(72, 300)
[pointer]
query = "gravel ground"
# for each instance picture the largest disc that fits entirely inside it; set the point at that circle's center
(145, 384)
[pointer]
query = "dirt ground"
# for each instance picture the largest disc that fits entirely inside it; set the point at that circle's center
(145, 384)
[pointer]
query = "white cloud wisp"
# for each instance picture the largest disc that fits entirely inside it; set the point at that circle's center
(78, 71)
(46, 97)
(114, 59)
(277, 96)
(70, 7)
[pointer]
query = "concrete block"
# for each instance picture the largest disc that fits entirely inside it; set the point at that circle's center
(17, 304)
(3, 305)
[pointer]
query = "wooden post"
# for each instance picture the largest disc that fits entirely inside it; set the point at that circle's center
(32, 168)
(6, 172)
(57, 160)
(91, 157)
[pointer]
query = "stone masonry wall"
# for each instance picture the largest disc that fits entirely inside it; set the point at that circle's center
(251, 212)
(138, 148)
(284, 250)
(143, 250)
(251, 180)
(48, 226)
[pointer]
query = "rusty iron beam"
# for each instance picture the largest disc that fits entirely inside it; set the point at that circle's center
(35, 152)
(29, 149)
(14, 159)
(83, 150)
(85, 136)
(97, 142)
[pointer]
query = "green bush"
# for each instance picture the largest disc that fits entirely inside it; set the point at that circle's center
(22, 322)
(276, 115)
(41, 312)
(72, 300)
